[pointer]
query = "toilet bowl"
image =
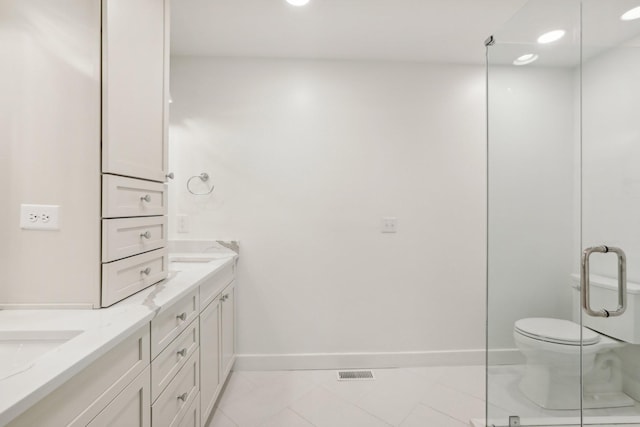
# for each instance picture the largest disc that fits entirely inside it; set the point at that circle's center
(551, 379)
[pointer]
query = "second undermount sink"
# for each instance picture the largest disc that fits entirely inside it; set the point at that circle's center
(20, 349)
(196, 258)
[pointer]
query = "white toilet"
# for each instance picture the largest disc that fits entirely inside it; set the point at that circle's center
(551, 348)
(552, 373)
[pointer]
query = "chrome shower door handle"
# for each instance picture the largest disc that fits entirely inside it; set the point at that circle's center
(622, 281)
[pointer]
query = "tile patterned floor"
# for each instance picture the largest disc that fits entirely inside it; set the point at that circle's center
(416, 397)
(410, 397)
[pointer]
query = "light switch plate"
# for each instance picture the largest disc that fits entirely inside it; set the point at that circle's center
(182, 222)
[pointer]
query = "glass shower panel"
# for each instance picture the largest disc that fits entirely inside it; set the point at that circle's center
(533, 217)
(611, 205)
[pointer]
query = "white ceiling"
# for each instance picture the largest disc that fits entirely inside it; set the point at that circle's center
(451, 31)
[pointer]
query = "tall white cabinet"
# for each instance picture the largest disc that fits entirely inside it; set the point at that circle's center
(135, 103)
(134, 81)
(86, 108)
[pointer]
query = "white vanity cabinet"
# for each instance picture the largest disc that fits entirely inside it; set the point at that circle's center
(187, 342)
(227, 329)
(217, 336)
(168, 373)
(210, 383)
(102, 392)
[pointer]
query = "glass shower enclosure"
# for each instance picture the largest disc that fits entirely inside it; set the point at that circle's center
(563, 271)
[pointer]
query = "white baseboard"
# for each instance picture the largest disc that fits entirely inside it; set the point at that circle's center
(506, 356)
(274, 362)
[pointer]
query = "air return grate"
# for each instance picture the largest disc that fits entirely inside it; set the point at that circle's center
(355, 376)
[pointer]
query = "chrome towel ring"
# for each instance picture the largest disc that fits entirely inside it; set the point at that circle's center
(204, 177)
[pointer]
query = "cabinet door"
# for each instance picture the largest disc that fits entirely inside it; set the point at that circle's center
(209, 358)
(227, 310)
(134, 99)
(131, 408)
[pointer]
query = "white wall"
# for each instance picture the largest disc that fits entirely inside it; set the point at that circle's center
(611, 153)
(533, 212)
(307, 157)
(50, 150)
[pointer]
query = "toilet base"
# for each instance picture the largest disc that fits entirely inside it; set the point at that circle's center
(557, 385)
(607, 400)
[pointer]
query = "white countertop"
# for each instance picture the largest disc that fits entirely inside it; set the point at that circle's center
(102, 329)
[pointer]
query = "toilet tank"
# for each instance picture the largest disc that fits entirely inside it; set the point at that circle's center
(604, 294)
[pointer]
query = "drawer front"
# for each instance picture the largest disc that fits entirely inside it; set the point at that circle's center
(192, 417)
(126, 197)
(214, 285)
(175, 400)
(125, 277)
(132, 407)
(171, 322)
(125, 237)
(172, 358)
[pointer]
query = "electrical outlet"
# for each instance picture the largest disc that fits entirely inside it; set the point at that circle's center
(389, 225)
(40, 217)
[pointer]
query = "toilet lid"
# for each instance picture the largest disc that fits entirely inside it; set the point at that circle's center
(556, 331)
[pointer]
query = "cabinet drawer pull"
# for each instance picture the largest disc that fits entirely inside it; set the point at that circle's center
(146, 271)
(145, 198)
(183, 397)
(170, 175)
(145, 235)
(182, 316)
(182, 353)
(223, 298)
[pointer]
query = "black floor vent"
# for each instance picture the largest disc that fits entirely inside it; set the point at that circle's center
(355, 376)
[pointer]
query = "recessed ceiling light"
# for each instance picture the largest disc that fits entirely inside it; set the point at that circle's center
(551, 36)
(297, 2)
(525, 59)
(632, 14)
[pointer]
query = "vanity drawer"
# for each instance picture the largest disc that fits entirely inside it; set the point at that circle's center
(173, 403)
(125, 237)
(125, 197)
(216, 284)
(192, 416)
(171, 322)
(171, 359)
(125, 277)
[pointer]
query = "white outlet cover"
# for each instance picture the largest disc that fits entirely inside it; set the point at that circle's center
(47, 217)
(389, 225)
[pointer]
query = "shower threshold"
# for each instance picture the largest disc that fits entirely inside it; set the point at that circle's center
(613, 420)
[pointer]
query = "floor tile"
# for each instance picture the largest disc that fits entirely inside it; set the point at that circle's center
(423, 416)
(467, 379)
(394, 399)
(454, 403)
(261, 378)
(287, 418)
(324, 409)
(221, 420)
(237, 387)
(266, 401)
(428, 396)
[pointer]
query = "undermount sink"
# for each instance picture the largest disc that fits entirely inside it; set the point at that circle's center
(20, 349)
(196, 258)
